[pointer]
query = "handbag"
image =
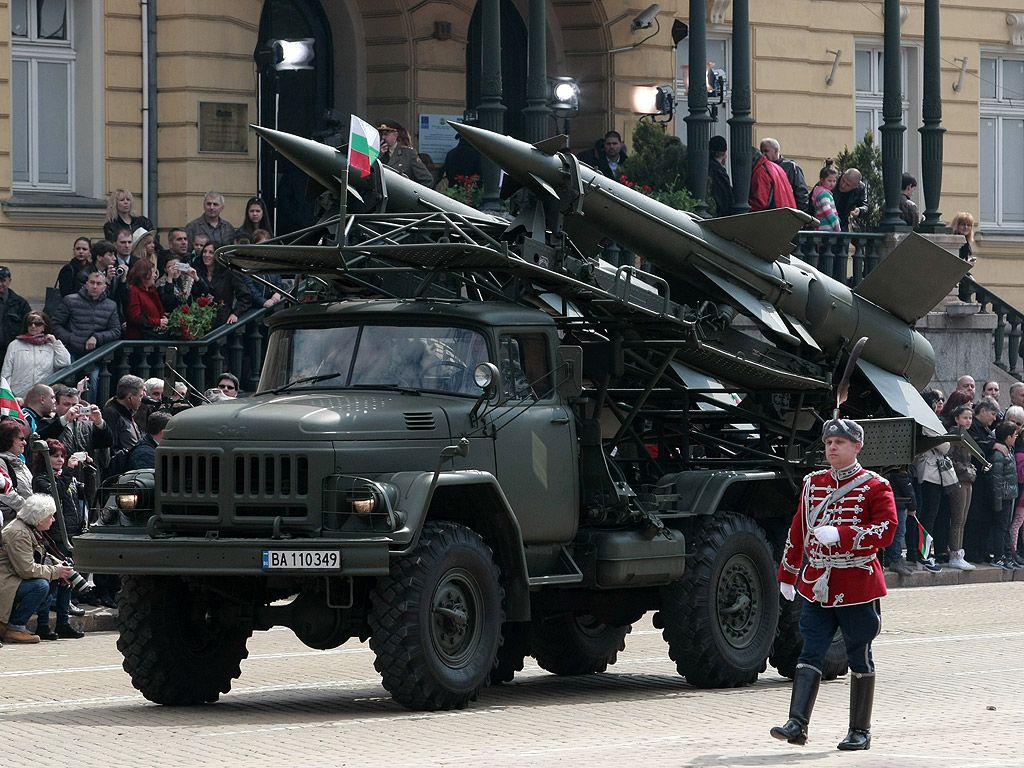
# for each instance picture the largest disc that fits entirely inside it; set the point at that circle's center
(54, 298)
(947, 475)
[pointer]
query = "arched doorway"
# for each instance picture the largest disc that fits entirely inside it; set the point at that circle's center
(292, 100)
(513, 65)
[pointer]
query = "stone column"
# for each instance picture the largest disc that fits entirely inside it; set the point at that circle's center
(698, 121)
(538, 115)
(741, 124)
(490, 109)
(892, 120)
(932, 130)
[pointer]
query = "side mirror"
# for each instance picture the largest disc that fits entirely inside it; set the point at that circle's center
(569, 380)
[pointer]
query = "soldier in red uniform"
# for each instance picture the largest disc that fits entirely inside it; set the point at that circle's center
(846, 514)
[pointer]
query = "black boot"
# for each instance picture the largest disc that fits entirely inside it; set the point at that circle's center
(862, 695)
(805, 691)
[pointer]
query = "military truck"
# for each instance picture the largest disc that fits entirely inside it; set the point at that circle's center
(480, 443)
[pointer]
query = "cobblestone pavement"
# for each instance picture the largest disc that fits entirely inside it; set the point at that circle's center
(950, 693)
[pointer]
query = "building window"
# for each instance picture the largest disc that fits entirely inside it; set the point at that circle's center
(1001, 136)
(719, 53)
(42, 95)
(868, 73)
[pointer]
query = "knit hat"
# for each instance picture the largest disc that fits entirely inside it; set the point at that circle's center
(847, 428)
(37, 508)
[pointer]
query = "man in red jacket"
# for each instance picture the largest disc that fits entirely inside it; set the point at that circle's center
(769, 186)
(846, 514)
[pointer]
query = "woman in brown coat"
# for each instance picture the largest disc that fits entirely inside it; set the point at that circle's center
(24, 578)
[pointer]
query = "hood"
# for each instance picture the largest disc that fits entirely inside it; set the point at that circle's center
(348, 416)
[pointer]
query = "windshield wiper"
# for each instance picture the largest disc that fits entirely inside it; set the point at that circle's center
(304, 380)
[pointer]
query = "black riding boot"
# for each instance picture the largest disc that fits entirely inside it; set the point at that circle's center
(862, 694)
(805, 691)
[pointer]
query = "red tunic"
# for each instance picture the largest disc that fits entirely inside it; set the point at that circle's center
(866, 519)
(144, 311)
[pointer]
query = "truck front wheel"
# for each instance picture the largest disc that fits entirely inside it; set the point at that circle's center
(576, 645)
(719, 619)
(436, 620)
(174, 649)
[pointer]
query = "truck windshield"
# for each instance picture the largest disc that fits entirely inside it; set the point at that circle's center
(428, 357)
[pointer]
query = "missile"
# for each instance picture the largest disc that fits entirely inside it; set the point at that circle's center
(745, 261)
(327, 166)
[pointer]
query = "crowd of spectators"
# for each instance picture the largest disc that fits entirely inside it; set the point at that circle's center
(965, 507)
(88, 445)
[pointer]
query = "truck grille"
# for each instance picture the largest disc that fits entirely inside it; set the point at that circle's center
(254, 484)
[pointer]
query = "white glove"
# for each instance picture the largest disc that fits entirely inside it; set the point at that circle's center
(788, 591)
(826, 534)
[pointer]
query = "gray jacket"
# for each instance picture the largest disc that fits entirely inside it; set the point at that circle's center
(80, 316)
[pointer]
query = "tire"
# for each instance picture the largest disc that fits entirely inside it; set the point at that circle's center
(576, 645)
(435, 620)
(515, 647)
(720, 618)
(174, 654)
(789, 643)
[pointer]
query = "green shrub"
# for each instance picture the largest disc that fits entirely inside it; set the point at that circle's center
(656, 166)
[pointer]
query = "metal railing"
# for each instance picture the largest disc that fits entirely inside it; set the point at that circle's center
(844, 256)
(238, 348)
(1009, 323)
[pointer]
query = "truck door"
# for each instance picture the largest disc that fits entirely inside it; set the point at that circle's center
(535, 448)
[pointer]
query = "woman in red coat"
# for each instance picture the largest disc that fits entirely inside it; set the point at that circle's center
(146, 316)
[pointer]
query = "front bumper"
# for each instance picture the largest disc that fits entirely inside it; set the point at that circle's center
(124, 553)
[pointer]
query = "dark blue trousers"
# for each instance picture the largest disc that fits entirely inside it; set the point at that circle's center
(860, 625)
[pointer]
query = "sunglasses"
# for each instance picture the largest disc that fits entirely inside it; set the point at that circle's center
(226, 386)
(35, 322)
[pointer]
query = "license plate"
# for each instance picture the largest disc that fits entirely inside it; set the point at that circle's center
(302, 559)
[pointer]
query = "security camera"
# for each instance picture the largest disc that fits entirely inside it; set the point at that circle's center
(646, 19)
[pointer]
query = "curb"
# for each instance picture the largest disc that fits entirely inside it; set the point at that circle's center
(982, 574)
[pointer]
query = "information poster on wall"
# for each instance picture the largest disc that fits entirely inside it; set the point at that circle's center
(436, 137)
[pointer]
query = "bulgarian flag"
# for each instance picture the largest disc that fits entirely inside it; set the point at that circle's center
(8, 404)
(924, 540)
(363, 146)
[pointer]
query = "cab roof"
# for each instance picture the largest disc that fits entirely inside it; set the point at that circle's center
(412, 311)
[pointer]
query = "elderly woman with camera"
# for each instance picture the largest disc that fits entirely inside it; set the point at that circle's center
(24, 575)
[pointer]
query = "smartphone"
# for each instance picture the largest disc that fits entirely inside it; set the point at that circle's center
(81, 455)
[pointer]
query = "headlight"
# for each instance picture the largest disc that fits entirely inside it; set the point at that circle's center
(364, 506)
(127, 501)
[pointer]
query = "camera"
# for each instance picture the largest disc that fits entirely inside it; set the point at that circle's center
(121, 271)
(181, 267)
(84, 410)
(78, 582)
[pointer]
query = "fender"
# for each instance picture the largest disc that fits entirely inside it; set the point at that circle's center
(475, 499)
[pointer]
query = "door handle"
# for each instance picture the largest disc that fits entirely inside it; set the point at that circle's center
(560, 420)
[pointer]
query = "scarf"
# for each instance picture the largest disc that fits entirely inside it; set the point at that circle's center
(38, 339)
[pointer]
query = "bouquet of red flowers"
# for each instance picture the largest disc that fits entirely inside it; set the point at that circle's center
(193, 319)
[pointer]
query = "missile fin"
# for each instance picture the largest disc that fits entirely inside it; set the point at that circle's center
(766, 234)
(762, 311)
(935, 271)
(553, 144)
(509, 186)
(799, 330)
(544, 185)
(901, 395)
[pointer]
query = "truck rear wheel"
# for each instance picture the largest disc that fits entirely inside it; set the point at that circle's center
(720, 618)
(436, 620)
(174, 650)
(576, 645)
(789, 643)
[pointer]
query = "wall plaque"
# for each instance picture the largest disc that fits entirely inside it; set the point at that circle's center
(223, 127)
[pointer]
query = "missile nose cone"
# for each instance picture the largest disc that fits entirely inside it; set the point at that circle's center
(321, 162)
(531, 166)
